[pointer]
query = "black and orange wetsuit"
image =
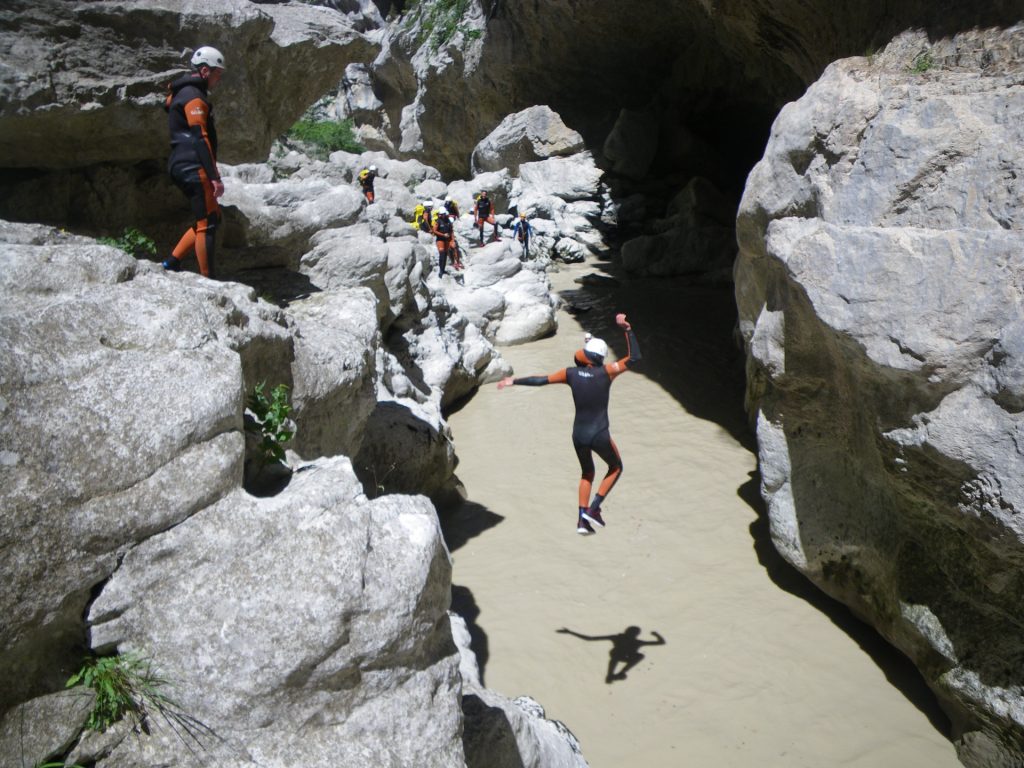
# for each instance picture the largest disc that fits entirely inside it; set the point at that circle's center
(483, 212)
(445, 234)
(366, 178)
(193, 164)
(591, 387)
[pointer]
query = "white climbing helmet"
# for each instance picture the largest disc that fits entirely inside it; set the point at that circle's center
(373, 168)
(208, 57)
(596, 346)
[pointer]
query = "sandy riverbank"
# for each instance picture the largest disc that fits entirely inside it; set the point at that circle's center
(757, 668)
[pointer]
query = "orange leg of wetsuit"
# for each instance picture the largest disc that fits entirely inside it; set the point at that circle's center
(614, 471)
(201, 235)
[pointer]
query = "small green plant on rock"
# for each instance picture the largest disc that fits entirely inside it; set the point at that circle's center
(133, 242)
(922, 63)
(327, 135)
(125, 686)
(268, 420)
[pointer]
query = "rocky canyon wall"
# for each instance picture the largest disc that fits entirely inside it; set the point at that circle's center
(881, 300)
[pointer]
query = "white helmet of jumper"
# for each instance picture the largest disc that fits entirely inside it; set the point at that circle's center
(205, 56)
(373, 168)
(596, 346)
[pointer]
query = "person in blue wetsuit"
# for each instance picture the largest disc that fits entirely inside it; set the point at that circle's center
(591, 382)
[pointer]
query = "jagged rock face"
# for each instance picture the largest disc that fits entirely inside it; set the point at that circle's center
(121, 392)
(880, 299)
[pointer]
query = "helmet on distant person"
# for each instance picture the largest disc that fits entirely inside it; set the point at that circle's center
(205, 56)
(522, 215)
(373, 168)
(442, 211)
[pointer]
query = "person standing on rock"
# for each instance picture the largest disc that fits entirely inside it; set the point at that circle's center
(445, 234)
(591, 382)
(366, 177)
(193, 161)
(522, 231)
(483, 212)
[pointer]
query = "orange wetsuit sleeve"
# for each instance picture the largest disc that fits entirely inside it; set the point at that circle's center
(196, 113)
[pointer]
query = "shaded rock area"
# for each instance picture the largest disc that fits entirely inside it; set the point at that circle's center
(880, 302)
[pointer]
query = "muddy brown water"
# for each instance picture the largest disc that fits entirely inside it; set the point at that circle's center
(757, 667)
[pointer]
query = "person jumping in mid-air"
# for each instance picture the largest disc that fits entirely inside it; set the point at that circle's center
(591, 382)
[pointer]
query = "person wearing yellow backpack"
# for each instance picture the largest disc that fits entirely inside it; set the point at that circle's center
(366, 177)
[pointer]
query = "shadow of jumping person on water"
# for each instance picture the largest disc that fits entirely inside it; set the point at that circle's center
(625, 649)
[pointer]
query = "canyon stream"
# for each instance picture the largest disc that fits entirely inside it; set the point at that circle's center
(758, 667)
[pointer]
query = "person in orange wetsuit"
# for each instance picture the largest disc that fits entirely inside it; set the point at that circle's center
(591, 382)
(193, 161)
(444, 231)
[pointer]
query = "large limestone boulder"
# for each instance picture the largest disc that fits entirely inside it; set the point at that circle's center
(278, 217)
(334, 371)
(318, 638)
(878, 290)
(536, 133)
(121, 389)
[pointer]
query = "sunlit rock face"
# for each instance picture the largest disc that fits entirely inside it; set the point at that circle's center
(878, 285)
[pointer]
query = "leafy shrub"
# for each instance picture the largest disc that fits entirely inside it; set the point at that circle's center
(922, 63)
(269, 420)
(327, 135)
(125, 686)
(132, 242)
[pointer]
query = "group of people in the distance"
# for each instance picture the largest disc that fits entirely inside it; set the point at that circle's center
(438, 218)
